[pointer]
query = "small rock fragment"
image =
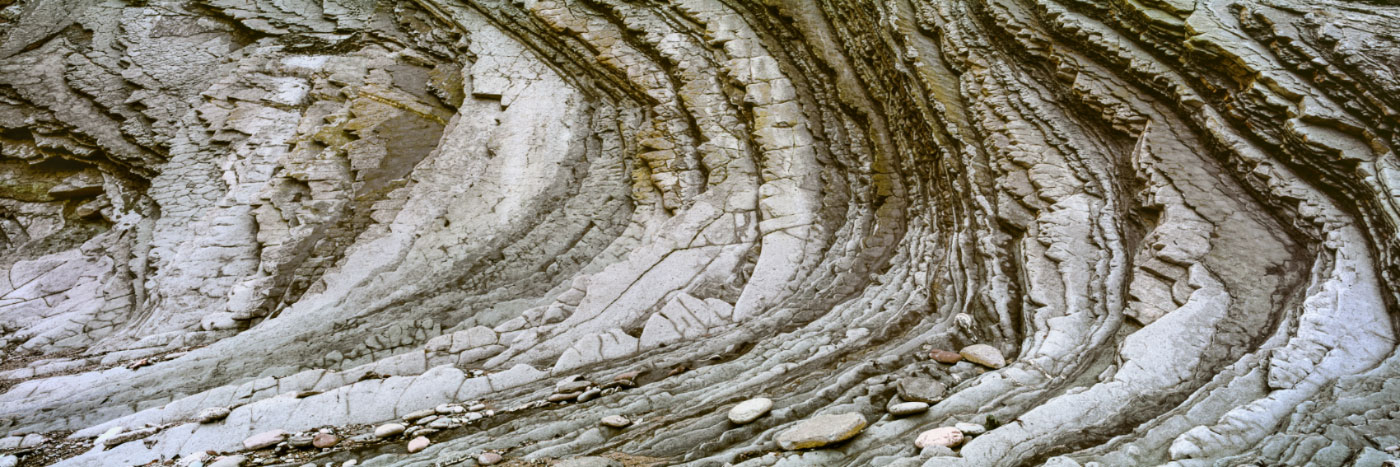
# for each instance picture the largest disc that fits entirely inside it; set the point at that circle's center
(489, 458)
(590, 394)
(588, 462)
(419, 414)
(564, 397)
(907, 408)
(418, 444)
(749, 410)
(615, 421)
(821, 430)
(388, 429)
(212, 414)
(300, 441)
(324, 440)
(937, 451)
(945, 436)
(985, 355)
(229, 461)
(945, 356)
(571, 384)
(970, 429)
(264, 440)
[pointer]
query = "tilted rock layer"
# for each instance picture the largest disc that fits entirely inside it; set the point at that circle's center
(1176, 220)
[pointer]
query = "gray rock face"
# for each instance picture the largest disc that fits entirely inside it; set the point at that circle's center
(1166, 231)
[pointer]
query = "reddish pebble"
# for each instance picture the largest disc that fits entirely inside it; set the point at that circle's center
(489, 458)
(324, 440)
(945, 356)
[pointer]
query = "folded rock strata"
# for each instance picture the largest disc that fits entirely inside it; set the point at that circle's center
(1176, 222)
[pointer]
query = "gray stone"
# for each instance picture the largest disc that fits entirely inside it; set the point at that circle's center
(921, 389)
(908, 408)
(615, 421)
(821, 430)
(970, 429)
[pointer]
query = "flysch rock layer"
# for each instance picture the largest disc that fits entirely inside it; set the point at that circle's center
(1156, 232)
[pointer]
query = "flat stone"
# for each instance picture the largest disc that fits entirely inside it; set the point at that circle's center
(590, 395)
(945, 436)
(212, 414)
(615, 421)
(821, 430)
(749, 410)
(564, 397)
(985, 355)
(264, 439)
(9, 461)
(388, 429)
(945, 356)
(908, 408)
(489, 458)
(970, 429)
(418, 444)
(229, 461)
(419, 414)
(921, 389)
(324, 440)
(590, 461)
(301, 441)
(571, 384)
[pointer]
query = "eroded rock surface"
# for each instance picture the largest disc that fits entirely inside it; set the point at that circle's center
(1167, 230)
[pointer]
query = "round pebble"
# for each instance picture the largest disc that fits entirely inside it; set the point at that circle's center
(388, 429)
(615, 421)
(489, 458)
(749, 410)
(324, 440)
(418, 444)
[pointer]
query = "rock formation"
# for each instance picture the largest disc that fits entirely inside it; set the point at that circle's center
(1072, 232)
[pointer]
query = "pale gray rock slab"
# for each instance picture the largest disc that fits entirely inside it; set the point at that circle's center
(821, 430)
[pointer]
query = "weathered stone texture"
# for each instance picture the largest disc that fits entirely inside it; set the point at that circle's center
(1070, 232)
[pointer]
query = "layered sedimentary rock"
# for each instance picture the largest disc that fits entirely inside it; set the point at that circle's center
(1158, 231)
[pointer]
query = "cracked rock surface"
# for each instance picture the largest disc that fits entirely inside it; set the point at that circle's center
(469, 232)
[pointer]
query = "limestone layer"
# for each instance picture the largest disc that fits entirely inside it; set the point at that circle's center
(500, 222)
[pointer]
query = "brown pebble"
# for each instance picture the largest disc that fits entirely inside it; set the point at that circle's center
(324, 440)
(945, 356)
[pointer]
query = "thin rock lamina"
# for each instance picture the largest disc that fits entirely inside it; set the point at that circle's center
(699, 232)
